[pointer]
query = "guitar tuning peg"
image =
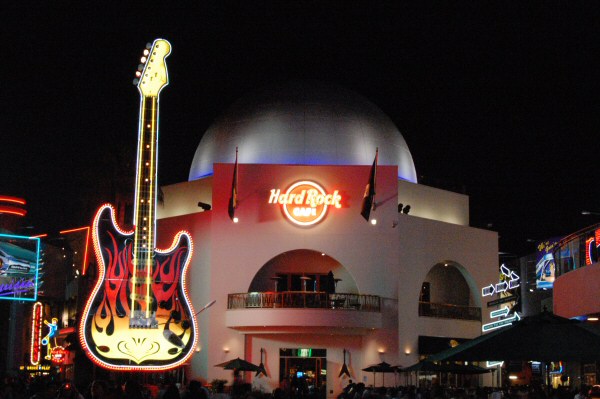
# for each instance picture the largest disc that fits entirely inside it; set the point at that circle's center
(141, 67)
(136, 81)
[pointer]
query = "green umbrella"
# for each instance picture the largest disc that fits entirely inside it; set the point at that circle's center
(543, 337)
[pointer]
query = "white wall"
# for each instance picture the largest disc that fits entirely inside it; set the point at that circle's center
(433, 203)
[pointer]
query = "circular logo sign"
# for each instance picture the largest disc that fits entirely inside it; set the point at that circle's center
(305, 203)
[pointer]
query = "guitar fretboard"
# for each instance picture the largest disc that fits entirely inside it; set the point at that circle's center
(142, 304)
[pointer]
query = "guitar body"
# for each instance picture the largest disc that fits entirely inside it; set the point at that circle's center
(110, 331)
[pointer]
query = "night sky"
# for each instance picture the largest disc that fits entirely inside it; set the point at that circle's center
(500, 103)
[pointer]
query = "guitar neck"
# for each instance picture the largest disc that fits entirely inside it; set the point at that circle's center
(146, 177)
(142, 301)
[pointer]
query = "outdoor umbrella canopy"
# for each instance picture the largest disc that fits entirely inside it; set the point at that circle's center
(543, 337)
(382, 367)
(238, 364)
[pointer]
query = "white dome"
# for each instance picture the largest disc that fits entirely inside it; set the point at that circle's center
(303, 123)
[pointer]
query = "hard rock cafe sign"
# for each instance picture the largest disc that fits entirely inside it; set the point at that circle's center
(305, 203)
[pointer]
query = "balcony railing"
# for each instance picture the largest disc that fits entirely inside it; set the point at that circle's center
(303, 299)
(575, 251)
(448, 311)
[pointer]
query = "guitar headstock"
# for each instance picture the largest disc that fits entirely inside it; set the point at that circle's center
(151, 75)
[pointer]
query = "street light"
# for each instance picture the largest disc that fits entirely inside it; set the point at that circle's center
(590, 213)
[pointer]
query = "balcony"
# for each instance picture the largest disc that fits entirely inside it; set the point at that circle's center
(449, 311)
(303, 311)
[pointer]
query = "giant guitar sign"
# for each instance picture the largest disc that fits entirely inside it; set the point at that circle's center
(139, 316)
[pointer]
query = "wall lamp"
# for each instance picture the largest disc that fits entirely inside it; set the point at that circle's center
(403, 209)
(204, 206)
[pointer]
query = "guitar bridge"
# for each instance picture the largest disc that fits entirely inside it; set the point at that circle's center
(139, 320)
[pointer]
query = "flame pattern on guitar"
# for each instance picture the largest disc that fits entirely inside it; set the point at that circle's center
(107, 329)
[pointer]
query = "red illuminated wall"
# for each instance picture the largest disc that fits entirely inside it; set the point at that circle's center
(576, 292)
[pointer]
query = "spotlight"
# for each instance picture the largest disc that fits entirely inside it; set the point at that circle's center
(400, 208)
(406, 209)
(204, 206)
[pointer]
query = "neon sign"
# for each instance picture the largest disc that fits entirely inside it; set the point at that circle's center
(35, 353)
(139, 316)
(37, 367)
(59, 354)
(502, 286)
(19, 264)
(305, 203)
(591, 247)
(51, 336)
(508, 280)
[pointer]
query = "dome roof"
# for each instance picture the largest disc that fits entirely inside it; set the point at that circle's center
(304, 123)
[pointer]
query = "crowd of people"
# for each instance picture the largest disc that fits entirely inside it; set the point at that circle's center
(48, 388)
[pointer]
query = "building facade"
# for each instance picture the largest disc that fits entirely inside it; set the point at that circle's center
(302, 282)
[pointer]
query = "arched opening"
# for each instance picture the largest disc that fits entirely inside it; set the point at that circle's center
(303, 270)
(449, 291)
(304, 278)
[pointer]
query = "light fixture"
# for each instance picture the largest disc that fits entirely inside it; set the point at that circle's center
(226, 349)
(406, 209)
(235, 220)
(593, 318)
(204, 206)
(381, 351)
(407, 352)
(373, 222)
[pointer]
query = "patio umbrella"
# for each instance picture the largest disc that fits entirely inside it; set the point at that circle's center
(383, 368)
(238, 364)
(543, 337)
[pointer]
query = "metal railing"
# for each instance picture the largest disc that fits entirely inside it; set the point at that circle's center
(448, 311)
(576, 250)
(303, 299)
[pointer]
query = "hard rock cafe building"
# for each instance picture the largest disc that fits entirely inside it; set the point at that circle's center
(405, 284)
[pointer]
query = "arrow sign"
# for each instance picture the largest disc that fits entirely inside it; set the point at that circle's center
(501, 287)
(500, 323)
(487, 291)
(514, 281)
(500, 312)
(505, 270)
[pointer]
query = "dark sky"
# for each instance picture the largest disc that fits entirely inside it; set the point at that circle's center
(499, 103)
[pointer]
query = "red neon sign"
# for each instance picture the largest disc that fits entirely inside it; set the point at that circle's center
(59, 354)
(35, 353)
(305, 202)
